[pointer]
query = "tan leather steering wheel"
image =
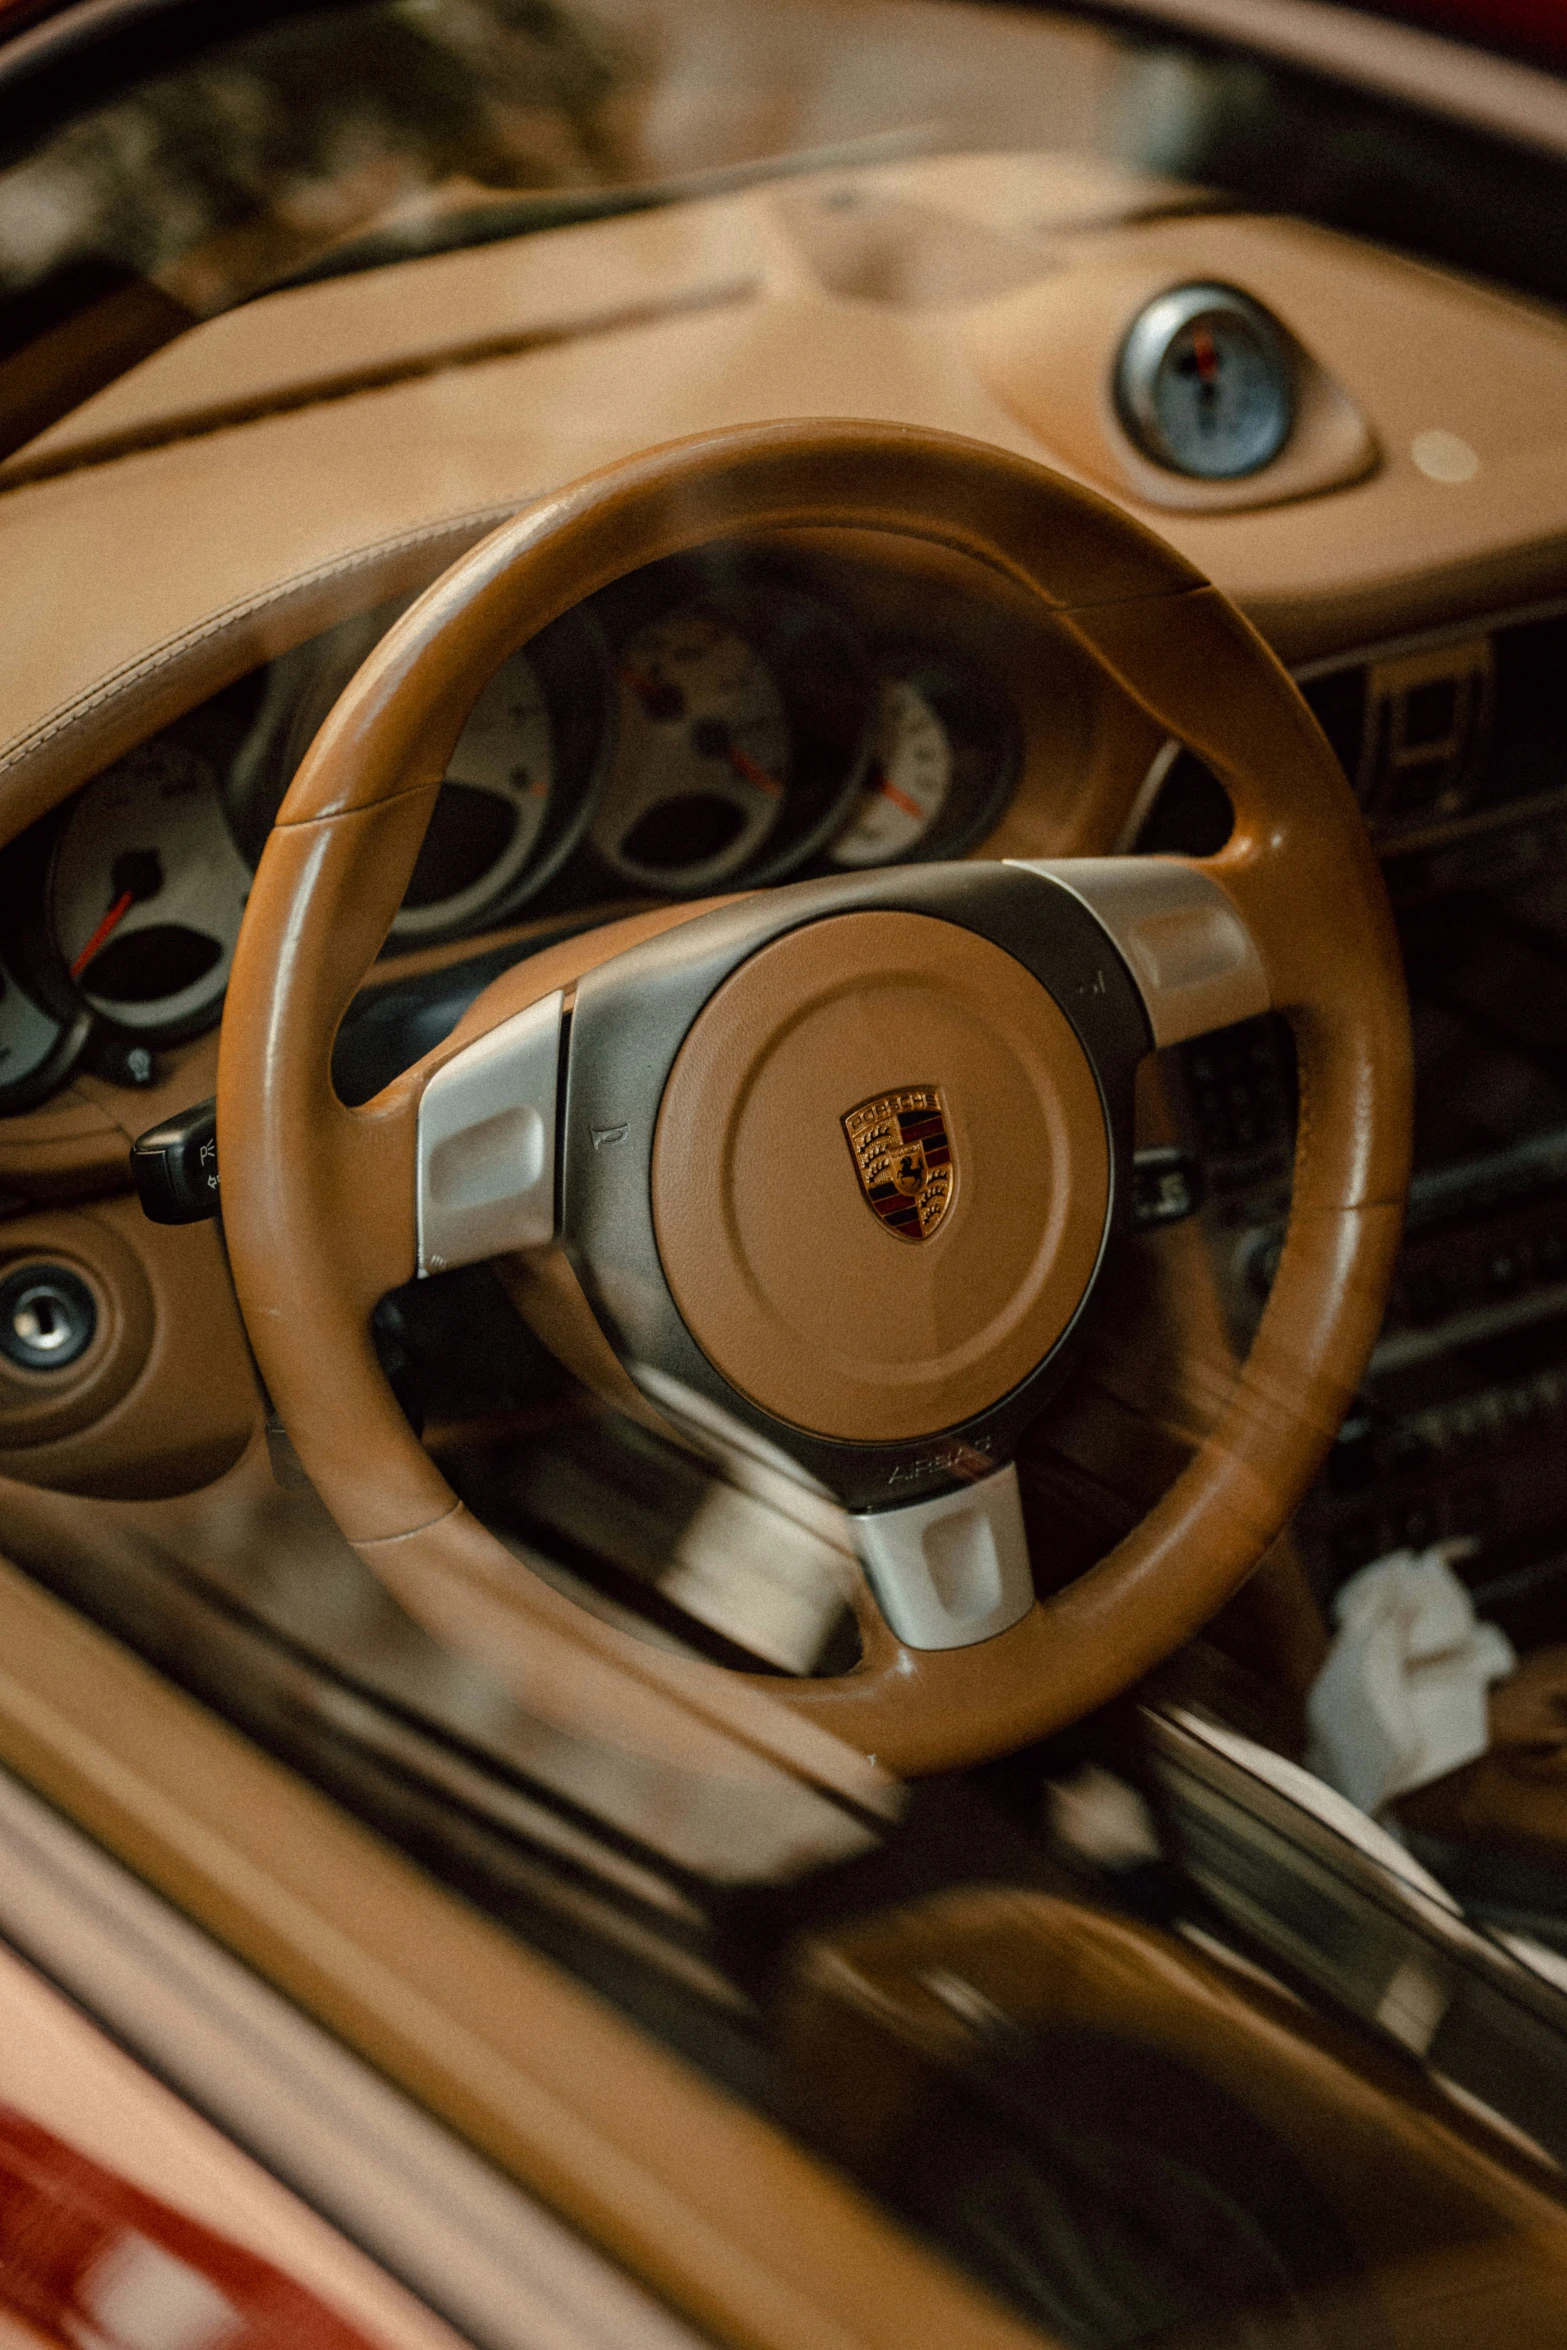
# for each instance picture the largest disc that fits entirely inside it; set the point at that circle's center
(836, 1164)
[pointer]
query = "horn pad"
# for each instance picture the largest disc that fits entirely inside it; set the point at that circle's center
(880, 1176)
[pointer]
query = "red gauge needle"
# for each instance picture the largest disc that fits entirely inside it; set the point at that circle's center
(888, 790)
(1205, 359)
(749, 772)
(711, 739)
(105, 931)
(658, 697)
(136, 875)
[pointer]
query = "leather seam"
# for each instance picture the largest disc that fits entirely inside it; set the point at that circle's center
(235, 415)
(1164, 595)
(384, 1541)
(368, 808)
(146, 666)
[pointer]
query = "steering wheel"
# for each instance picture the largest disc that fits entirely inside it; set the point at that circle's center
(826, 1172)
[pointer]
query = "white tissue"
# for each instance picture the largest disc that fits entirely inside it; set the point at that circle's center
(1402, 1697)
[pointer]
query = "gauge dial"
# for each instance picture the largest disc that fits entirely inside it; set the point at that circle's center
(704, 755)
(943, 757)
(1204, 383)
(519, 787)
(907, 783)
(492, 808)
(146, 892)
(743, 711)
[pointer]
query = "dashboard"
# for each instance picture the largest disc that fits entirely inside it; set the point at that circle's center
(1457, 747)
(1369, 457)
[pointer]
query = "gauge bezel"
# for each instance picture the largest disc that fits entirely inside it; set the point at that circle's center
(213, 731)
(31, 965)
(574, 675)
(765, 598)
(1142, 353)
(571, 661)
(49, 1074)
(982, 725)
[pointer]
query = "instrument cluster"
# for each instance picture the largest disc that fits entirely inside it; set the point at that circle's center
(712, 722)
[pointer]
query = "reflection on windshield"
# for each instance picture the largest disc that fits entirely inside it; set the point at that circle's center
(347, 137)
(237, 170)
(355, 136)
(1135, 2032)
(225, 176)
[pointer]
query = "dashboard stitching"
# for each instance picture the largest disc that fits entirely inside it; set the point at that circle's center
(148, 665)
(20, 472)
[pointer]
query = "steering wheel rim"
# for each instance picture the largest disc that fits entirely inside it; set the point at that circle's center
(319, 1200)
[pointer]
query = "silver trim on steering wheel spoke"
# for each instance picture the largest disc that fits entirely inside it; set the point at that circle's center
(1178, 932)
(487, 1143)
(952, 1571)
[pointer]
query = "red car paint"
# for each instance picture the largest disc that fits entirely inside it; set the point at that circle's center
(86, 2257)
(1534, 29)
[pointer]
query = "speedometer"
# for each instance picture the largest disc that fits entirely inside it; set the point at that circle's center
(520, 784)
(908, 782)
(520, 787)
(704, 750)
(492, 809)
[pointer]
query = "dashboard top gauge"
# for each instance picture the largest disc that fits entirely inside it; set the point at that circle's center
(1205, 383)
(519, 786)
(944, 758)
(146, 892)
(742, 724)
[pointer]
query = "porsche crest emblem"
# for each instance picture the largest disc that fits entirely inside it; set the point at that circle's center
(903, 1158)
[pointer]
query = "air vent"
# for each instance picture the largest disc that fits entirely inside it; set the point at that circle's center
(1412, 730)
(1450, 731)
(1428, 722)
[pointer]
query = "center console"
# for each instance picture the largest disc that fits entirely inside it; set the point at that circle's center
(1457, 748)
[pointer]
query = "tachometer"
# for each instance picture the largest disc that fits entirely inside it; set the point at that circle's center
(743, 707)
(943, 758)
(704, 749)
(1204, 383)
(146, 892)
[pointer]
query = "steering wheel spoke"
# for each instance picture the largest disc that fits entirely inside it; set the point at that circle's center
(486, 1174)
(951, 1571)
(1181, 935)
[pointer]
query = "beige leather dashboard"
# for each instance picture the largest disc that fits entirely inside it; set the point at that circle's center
(318, 450)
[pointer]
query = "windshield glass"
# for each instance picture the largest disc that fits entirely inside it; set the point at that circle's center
(371, 132)
(1156, 2031)
(341, 138)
